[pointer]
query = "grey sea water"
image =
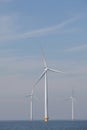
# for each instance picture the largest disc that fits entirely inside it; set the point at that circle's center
(41, 125)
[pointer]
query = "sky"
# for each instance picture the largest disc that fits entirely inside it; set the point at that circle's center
(60, 28)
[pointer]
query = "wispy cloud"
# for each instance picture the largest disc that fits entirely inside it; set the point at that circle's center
(44, 31)
(34, 33)
(77, 48)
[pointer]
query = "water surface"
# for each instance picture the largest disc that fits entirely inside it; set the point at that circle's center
(41, 125)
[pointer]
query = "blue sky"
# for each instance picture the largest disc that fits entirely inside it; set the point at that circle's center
(58, 26)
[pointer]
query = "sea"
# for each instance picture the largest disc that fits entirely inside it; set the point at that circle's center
(41, 125)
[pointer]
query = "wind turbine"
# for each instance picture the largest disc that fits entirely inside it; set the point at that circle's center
(45, 74)
(72, 98)
(31, 103)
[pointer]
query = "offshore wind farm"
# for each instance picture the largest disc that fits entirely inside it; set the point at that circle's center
(46, 99)
(61, 28)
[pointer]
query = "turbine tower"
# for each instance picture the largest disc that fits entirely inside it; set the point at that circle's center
(31, 105)
(45, 75)
(72, 98)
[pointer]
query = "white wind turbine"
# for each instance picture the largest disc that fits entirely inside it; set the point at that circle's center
(31, 104)
(44, 74)
(72, 98)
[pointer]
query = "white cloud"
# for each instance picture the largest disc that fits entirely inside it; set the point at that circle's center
(77, 48)
(47, 30)
(8, 29)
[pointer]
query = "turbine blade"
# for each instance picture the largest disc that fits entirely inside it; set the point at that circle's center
(43, 57)
(44, 61)
(40, 78)
(53, 70)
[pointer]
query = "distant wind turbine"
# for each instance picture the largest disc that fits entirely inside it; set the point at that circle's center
(31, 104)
(72, 98)
(44, 74)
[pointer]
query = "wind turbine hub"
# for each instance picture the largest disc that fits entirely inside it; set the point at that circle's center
(46, 68)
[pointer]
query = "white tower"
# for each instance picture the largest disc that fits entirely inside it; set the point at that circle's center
(31, 105)
(72, 98)
(44, 74)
